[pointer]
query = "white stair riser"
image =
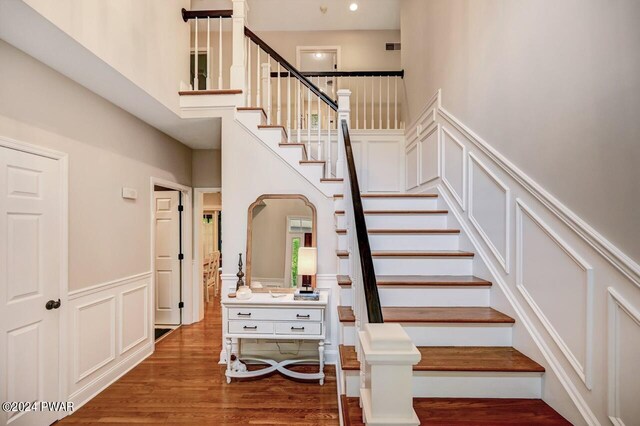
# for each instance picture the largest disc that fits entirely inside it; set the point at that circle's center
(314, 172)
(346, 298)
(343, 266)
(352, 382)
(437, 384)
(348, 333)
(407, 241)
(414, 241)
(273, 136)
(251, 119)
(459, 334)
(393, 203)
(428, 384)
(434, 296)
(399, 221)
(423, 265)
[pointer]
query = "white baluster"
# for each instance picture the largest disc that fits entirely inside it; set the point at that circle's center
(380, 102)
(195, 59)
(258, 79)
(308, 123)
(248, 72)
(279, 105)
(298, 111)
(208, 77)
(395, 109)
(364, 102)
(319, 154)
(269, 100)
(373, 86)
(357, 102)
(266, 89)
(288, 103)
(220, 53)
(327, 165)
(387, 103)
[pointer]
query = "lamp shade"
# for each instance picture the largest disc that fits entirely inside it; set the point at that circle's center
(307, 260)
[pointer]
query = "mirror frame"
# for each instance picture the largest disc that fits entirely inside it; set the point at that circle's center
(314, 236)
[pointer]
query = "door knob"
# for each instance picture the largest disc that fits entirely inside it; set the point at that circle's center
(52, 304)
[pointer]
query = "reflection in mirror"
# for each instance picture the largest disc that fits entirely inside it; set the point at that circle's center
(278, 226)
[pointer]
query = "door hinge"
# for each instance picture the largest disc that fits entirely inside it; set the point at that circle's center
(180, 208)
(180, 256)
(181, 305)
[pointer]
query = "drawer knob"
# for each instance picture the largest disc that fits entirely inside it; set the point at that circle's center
(303, 316)
(252, 327)
(240, 314)
(297, 328)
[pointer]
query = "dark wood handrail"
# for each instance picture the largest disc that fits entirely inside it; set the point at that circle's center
(201, 14)
(345, 74)
(372, 298)
(286, 65)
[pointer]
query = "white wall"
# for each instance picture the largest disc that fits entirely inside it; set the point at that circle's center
(206, 168)
(576, 299)
(109, 237)
(145, 40)
(552, 87)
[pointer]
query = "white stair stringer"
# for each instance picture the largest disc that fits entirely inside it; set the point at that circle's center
(273, 137)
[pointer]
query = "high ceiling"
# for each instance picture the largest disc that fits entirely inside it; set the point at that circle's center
(307, 15)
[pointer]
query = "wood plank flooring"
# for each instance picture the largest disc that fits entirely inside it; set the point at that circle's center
(182, 383)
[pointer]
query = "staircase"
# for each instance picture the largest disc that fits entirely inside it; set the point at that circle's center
(407, 288)
(469, 372)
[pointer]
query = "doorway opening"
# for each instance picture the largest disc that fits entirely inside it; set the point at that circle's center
(208, 244)
(168, 258)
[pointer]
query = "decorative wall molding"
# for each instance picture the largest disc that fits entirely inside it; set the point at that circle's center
(110, 333)
(459, 196)
(411, 167)
(583, 371)
(503, 258)
(425, 175)
(617, 305)
(611, 253)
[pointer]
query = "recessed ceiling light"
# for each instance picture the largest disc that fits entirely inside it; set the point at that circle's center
(318, 55)
(353, 6)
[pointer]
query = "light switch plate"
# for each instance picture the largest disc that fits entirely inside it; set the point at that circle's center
(129, 194)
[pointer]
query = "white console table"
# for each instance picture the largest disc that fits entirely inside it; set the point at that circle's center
(266, 317)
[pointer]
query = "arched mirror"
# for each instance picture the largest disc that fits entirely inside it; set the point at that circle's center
(278, 226)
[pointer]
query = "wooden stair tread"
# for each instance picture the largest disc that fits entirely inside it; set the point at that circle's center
(210, 92)
(331, 180)
(399, 212)
(344, 280)
(432, 280)
(312, 162)
(391, 195)
(469, 411)
(345, 314)
(405, 231)
(273, 126)
(253, 109)
(423, 281)
(293, 144)
(413, 253)
(443, 315)
(459, 358)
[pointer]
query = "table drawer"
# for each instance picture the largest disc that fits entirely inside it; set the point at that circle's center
(250, 327)
(288, 314)
(304, 328)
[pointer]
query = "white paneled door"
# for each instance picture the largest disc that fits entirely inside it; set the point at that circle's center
(167, 249)
(30, 242)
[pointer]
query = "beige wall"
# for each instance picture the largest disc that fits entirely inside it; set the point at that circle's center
(206, 171)
(145, 40)
(554, 89)
(360, 50)
(109, 237)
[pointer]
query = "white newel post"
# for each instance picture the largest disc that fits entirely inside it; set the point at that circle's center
(238, 71)
(344, 110)
(389, 356)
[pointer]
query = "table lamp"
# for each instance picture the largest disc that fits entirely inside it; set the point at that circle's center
(307, 265)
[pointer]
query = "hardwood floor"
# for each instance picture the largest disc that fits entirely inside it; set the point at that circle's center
(182, 383)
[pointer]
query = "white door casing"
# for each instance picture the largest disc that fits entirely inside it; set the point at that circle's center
(30, 275)
(167, 263)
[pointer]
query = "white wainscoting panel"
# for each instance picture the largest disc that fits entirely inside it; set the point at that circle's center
(429, 153)
(454, 167)
(549, 270)
(624, 359)
(489, 209)
(411, 166)
(384, 155)
(110, 333)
